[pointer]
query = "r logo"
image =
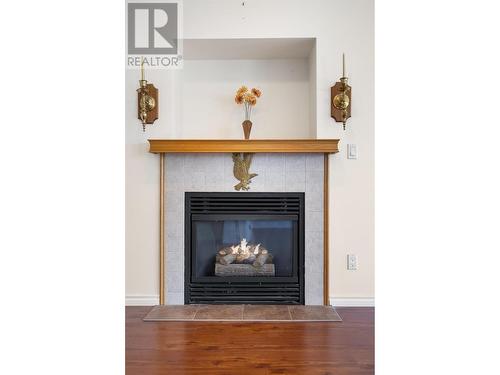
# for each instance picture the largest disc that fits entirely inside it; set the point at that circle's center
(152, 29)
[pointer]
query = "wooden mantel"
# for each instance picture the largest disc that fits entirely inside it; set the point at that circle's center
(323, 146)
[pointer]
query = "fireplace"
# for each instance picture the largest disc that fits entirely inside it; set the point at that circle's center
(244, 248)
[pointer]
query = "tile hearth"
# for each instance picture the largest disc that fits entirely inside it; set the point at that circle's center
(250, 313)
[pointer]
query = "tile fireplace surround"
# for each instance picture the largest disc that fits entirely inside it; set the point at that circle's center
(213, 172)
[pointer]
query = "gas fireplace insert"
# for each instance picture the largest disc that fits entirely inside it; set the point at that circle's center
(244, 248)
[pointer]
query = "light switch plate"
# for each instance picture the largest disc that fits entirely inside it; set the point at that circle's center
(352, 262)
(352, 151)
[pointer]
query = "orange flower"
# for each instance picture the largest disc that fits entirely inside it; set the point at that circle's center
(238, 98)
(247, 97)
(242, 90)
(256, 92)
(250, 98)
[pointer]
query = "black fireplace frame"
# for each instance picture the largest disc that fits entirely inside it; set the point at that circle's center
(240, 289)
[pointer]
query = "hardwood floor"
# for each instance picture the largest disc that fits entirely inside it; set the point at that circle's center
(228, 348)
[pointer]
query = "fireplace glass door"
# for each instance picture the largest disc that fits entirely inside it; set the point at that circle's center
(244, 246)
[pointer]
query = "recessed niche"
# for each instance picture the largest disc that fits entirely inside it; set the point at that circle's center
(283, 68)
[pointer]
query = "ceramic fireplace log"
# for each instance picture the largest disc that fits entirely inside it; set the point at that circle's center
(227, 259)
(261, 260)
(245, 258)
(244, 270)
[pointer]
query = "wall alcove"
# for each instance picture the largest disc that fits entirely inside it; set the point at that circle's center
(283, 68)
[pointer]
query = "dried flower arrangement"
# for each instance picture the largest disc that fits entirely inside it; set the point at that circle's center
(248, 98)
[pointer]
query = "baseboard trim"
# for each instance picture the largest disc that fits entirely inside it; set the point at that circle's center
(142, 300)
(352, 302)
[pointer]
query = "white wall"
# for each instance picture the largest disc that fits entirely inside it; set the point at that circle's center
(339, 26)
(208, 109)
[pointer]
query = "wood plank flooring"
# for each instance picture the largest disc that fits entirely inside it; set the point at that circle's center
(227, 348)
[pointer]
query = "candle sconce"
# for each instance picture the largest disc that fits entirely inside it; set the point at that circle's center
(341, 98)
(147, 101)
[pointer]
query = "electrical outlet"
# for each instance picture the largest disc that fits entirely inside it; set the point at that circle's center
(352, 262)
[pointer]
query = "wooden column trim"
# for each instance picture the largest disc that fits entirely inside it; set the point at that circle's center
(162, 228)
(326, 278)
(325, 229)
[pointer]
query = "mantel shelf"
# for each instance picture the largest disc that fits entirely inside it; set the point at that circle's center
(323, 146)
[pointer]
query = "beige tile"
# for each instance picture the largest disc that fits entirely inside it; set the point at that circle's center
(295, 162)
(312, 313)
(175, 298)
(179, 312)
(242, 312)
(219, 312)
(314, 162)
(266, 312)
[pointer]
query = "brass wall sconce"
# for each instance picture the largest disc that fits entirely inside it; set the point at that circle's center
(147, 101)
(341, 98)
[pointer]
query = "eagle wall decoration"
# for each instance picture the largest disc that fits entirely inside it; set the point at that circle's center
(241, 168)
